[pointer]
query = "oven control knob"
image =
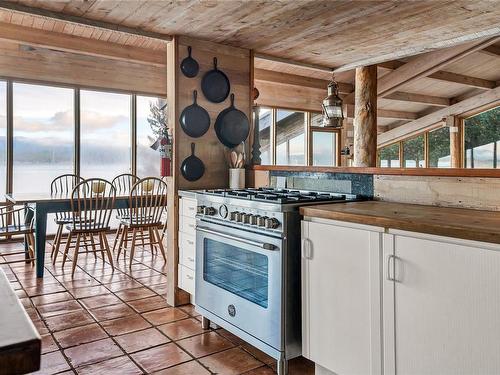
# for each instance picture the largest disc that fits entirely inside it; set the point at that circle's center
(253, 219)
(210, 211)
(200, 209)
(246, 218)
(272, 223)
(261, 221)
(233, 215)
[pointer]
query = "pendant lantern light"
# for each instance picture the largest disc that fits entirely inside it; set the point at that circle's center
(333, 113)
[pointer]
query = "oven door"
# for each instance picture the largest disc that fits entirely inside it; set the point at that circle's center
(239, 279)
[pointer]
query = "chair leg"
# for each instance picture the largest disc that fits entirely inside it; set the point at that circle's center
(90, 235)
(117, 236)
(160, 243)
(132, 246)
(75, 257)
(66, 248)
(106, 247)
(122, 239)
(31, 247)
(56, 239)
(151, 239)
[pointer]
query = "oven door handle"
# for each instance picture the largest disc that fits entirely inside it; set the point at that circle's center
(262, 245)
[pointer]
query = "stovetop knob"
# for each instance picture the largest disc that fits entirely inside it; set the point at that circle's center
(235, 216)
(253, 219)
(210, 211)
(246, 218)
(200, 209)
(272, 223)
(261, 221)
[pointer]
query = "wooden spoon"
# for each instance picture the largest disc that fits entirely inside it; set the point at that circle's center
(239, 162)
(234, 159)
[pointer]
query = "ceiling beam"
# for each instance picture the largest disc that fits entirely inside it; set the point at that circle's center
(320, 68)
(82, 21)
(426, 64)
(296, 80)
(418, 98)
(384, 113)
(492, 51)
(423, 123)
(77, 44)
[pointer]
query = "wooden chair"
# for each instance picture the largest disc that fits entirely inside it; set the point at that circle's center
(14, 221)
(123, 184)
(147, 202)
(92, 203)
(62, 186)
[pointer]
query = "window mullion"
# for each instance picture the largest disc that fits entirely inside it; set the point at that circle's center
(10, 138)
(133, 135)
(77, 130)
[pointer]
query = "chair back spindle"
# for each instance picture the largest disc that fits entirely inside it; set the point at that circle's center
(61, 187)
(148, 199)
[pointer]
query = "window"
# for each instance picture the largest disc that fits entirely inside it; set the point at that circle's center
(148, 160)
(290, 138)
(439, 148)
(482, 140)
(265, 120)
(413, 152)
(105, 134)
(43, 135)
(389, 156)
(324, 142)
(3, 138)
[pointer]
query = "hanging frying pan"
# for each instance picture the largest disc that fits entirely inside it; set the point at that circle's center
(194, 119)
(192, 168)
(215, 85)
(189, 66)
(232, 126)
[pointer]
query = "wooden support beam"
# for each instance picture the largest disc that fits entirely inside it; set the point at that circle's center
(81, 20)
(320, 68)
(76, 44)
(427, 64)
(423, 123)
(296, 80)
(493, 50)
(418, 98)
(365, 118)
(383, 113)
(453, 123)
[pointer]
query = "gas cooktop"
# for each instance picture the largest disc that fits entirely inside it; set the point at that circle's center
(280, 196)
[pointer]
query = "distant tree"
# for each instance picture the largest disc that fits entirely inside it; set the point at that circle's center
(439, 145)
(389, 153)
(480, 130)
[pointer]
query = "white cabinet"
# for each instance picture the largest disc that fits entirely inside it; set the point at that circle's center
(187, 243)
(341, 296)
(442, 311)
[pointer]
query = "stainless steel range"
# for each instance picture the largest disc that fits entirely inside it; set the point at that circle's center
(248, 265)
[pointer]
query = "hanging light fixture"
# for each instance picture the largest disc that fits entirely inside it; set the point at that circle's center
(333, 114)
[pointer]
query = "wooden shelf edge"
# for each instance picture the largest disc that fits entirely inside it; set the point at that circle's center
(436, 172)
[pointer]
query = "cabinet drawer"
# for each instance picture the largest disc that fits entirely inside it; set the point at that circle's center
(188, 207)
(186, 279)
(187, 225)
(187, 250)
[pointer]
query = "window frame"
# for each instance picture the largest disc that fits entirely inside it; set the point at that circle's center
(9, 180)
(308, 135)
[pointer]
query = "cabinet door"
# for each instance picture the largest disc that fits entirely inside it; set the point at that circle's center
(341, 298)
(446, 307)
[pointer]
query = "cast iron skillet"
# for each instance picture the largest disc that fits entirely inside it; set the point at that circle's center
(194, 119)
(189, 66)
(215, 85)
(232, 126)
(192, 168)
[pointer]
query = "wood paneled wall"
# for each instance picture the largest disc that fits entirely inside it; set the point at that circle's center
(289, 96)
(25, 62)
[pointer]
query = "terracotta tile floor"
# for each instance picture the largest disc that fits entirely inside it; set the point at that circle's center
(105, 322)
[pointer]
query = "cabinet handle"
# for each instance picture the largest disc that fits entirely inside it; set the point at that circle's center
(189, 277)
(190, 259)
(190, 242)
(306, 248)
(389, 263)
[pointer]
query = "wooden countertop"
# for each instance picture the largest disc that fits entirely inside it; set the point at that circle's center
(450, 222)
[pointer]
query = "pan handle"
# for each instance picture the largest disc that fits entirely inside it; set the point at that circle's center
(232, 100)
(215, 63)
(195, 96)
(192, 148)
(189, 51)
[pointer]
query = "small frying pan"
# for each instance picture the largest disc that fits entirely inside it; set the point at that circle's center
(192, 168)
(189, 66)
(194, 119)
(215, 85)
(232, 126)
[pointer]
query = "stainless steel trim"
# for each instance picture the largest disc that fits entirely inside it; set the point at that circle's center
(263, 245)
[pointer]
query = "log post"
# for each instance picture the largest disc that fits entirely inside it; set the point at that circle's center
(365, 117)
(453, 123)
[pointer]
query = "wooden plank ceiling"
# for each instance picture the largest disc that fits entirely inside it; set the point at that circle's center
(298, 43)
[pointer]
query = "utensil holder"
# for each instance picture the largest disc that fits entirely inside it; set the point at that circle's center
(236, 178)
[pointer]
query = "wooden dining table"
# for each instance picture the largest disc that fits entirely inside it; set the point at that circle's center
(43, 204)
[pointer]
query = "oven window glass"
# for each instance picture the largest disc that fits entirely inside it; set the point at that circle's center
(239, 271)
